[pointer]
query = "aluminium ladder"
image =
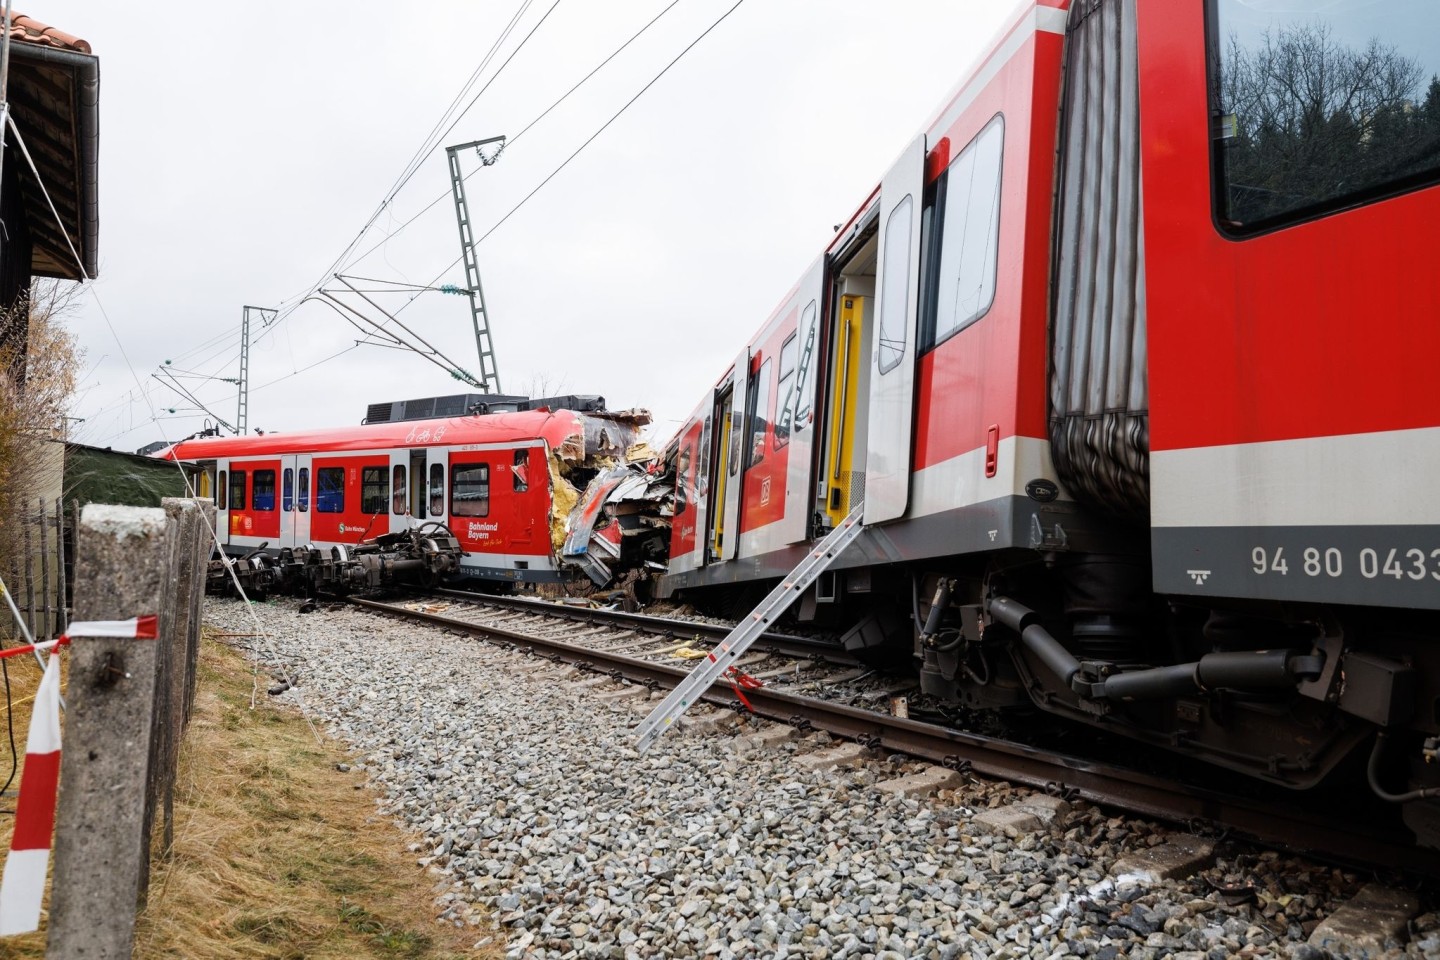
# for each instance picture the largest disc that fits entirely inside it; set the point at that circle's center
(738, 640)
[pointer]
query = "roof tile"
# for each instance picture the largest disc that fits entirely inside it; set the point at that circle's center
(29, 30)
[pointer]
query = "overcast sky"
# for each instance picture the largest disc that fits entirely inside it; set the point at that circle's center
(243, 147)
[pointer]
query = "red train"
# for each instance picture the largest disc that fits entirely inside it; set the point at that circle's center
(1130, 358)
(500, 481)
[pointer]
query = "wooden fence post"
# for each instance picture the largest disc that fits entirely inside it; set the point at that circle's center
(121, 570)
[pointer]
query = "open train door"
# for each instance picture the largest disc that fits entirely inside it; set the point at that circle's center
(892, 386)
(796, 411)
(726, 461)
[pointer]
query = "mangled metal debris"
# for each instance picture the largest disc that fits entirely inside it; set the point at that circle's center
(619, 532)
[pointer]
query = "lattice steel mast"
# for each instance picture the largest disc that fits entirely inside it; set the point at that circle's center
(266, 317)
(488, 376)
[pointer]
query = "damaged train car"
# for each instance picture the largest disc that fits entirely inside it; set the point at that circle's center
(618, 535)
(503, 474)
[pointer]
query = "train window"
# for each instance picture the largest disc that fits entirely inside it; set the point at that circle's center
(759, 413)
(1315, 107)
(237, 489)
(807, 363)
(520, 471)
(961, 287)
(303, 489)
(398, 502)
(220, 492)
(330, 490)
(894, 285)
(374, 490)
(470, 490)
(262, 493)
(784, 408)
(683, 478)
(437, 489)
(287, 490)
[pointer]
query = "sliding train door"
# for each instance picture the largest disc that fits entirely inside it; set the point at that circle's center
(892, 388)
(795, 407)
(294, 500)
(727, 456)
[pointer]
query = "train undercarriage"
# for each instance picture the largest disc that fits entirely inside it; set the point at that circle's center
(421, 557)
(1299, 697)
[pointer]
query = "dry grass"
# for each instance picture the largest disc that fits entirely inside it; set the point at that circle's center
(277, 854)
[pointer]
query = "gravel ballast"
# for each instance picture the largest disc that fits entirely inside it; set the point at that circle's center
(534, 806)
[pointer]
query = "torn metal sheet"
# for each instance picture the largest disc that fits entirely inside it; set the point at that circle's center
(621, 525)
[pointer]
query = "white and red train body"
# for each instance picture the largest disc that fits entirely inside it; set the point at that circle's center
(488, 477)
(1128, 338)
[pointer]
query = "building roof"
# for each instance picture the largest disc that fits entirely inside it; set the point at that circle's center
(54, 91)
(29, 30)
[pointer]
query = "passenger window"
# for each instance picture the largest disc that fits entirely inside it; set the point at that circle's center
(374, 490)
(784, 410)
(967, 207)
(263, 492)
(437, 489)
(220, 492)
(894, 286)
(330, 490)
(683, 478)
(470, 490)
(1315, 107)
(287, 490)
(521, 471)
(759, 415)
(304, 498)
(398, 502)
(237, 489)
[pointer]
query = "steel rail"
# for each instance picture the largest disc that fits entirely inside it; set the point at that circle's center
(770, 640)
(1267, 821)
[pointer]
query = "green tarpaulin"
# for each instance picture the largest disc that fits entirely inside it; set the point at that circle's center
(94, 475)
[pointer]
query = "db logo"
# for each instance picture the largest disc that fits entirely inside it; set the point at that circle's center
(764, 491)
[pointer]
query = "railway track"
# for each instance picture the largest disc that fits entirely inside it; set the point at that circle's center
(640, 649)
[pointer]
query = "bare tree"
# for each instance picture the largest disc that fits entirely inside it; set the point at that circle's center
(38, 357)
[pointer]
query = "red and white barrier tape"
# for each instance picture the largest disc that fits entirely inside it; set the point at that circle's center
(136, 628)
(23, 885)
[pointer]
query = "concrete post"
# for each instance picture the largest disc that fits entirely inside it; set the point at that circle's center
(204, 548)
(121, 571)
(176, 675)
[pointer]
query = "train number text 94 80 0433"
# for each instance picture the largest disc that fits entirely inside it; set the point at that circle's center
(1411, 563)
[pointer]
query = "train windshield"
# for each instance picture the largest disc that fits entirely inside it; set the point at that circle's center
(1319, 107)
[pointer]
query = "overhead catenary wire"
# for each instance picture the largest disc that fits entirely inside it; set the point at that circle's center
(214, 536)
(295, 301)
(230, 339)
(543, 114)
(340, 263)
(416, 162)
(589, 140)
